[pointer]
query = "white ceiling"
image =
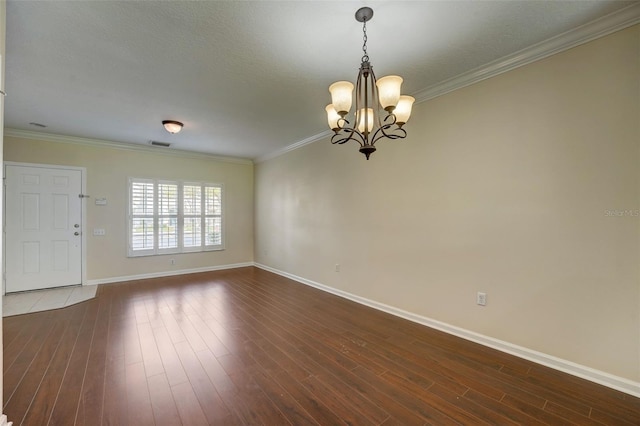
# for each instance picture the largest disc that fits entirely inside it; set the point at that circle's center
(247, 78)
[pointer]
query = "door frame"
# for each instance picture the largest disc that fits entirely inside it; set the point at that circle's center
(83, 213)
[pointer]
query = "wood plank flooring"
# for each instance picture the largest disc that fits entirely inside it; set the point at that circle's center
(247, 347)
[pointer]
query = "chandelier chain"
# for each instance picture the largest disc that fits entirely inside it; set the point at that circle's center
(365, 57)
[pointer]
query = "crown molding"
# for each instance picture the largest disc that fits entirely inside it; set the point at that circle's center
(601, 27)
(604, 26)
(50, 137)
(291, 147)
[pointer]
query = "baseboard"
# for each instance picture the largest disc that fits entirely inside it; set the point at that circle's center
(619, 383)
(166, 274)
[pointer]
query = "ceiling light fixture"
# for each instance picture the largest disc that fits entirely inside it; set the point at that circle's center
(371, 95)
(172, 126)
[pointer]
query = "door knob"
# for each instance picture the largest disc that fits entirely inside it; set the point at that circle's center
(76, 233)
(76, 225)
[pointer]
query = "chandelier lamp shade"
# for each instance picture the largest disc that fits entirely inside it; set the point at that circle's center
(380, 109)
(172, 126)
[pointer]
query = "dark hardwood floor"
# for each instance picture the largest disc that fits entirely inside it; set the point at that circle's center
(248, 347)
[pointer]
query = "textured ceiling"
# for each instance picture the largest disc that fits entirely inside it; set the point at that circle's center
(246, 77)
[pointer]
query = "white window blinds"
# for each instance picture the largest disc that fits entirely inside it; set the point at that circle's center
(174, 217)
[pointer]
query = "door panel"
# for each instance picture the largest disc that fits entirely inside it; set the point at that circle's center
(43, 216)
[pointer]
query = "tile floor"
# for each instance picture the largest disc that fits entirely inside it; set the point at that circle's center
(44, 300)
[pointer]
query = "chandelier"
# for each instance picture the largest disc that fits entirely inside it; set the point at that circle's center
(372, 95)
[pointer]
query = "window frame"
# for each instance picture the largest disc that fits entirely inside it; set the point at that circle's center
(180, 218)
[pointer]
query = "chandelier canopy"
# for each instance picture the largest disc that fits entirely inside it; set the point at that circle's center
(371, 97)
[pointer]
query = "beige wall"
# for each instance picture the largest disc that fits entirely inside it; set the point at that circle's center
(107, 172)
(501, 187)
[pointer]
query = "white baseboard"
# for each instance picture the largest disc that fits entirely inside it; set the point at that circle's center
(166, 274)
(619, 383)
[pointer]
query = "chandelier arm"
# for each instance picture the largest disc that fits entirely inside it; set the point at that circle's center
(396, 133)
(363, 136)
(365, 109)
(376, 97)
(380, 133)
(358, 95)
(388, 121)
(351, 135)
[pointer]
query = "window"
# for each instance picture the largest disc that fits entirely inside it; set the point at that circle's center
(174, 217)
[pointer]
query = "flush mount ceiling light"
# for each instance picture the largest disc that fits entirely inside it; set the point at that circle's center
(371, 96)
(172, 126)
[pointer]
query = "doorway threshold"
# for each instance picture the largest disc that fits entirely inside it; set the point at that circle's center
(44, 300)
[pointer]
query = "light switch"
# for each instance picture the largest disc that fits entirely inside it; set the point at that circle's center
(101, 201)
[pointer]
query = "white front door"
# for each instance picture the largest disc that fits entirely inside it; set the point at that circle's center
(43, 225)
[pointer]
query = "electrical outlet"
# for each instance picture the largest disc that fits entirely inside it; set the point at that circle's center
(481, 298)
(173, 261)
